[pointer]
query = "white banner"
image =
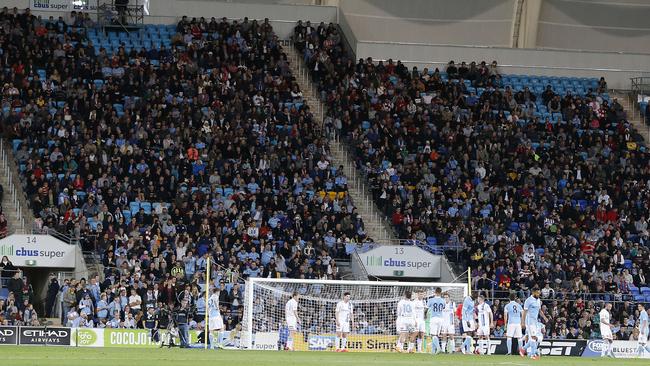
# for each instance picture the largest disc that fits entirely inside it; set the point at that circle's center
(63, 5)
(621, 349)
(401, 261)
(87, 337)
(266, 341)
(38, 251)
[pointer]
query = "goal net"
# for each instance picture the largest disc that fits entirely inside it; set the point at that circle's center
(374, 307)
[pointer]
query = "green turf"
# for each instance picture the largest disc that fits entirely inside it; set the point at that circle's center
(69, 356)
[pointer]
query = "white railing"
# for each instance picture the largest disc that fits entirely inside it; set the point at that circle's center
(11, 188)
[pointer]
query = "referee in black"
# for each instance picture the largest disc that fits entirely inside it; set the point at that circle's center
(182, 320)
(151, 323)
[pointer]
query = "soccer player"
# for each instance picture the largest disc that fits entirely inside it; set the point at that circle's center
(292, 318)
(435, 306)
(485, 324)
(606, 331)
(420, 323)
(215, 323)
(405, 321)
(513, 322)
(532, 307)
(468, 324)
(539, 337)
(344, 316)
(644, 326)
(448, 324)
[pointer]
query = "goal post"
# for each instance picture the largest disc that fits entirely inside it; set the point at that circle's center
(374, 306)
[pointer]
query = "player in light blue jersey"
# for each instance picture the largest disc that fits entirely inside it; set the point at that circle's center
(644, 327)
(435, 307)
(512, 319)
(532, 346)
(532, 312)
(468, 325)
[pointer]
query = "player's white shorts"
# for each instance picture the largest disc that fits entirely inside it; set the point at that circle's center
(448, 328)
(514, 330)
(343, 327)
(292, 324)
(468, 325)
(435, 326)
(643, 338)
(420, 325)
(405, 325)
(532, 330)
(606, 332)
(483, 330)
(216, 323)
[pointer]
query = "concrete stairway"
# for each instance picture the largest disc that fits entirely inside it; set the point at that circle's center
(628, 101)
(14, 205)
(377, 226)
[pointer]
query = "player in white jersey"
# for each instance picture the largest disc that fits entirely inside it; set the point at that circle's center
(485, 324)
(420, 323)
(606, 331)
(448, 324)
(215, 322)
(435, 306)
(292, 318)
(344, 319)
(644, 327)
(405, 322)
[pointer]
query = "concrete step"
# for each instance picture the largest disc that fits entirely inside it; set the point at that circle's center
(376, 226)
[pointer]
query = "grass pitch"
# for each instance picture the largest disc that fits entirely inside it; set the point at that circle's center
(70, 356)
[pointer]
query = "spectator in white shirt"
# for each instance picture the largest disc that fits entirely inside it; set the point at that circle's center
(135, 301)
(529, 256)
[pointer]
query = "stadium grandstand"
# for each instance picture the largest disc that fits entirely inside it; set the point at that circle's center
(165, 164)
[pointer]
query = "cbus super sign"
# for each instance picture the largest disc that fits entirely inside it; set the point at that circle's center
(9, 250)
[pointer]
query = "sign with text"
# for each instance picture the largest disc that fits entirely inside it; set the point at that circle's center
(38, 251)
(621, 349)
(8, 335)
(555, 347)
(44, 336)
(356, 342)
(63, 5)
(400, 261)
(266, 341)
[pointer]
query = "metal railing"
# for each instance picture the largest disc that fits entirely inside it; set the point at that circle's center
(11, 189)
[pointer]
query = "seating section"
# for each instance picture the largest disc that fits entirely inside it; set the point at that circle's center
(151, 36)
(530, 180)
(154, 165)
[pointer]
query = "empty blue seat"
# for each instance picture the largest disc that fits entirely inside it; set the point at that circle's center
(146, 206)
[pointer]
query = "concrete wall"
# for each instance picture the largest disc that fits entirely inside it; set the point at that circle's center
(604, 25)
(468, 22)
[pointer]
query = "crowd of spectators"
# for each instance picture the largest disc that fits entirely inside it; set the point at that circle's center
(559, 203)
(16, 296)
(159, 160)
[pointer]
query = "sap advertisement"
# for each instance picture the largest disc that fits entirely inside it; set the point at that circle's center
(38, 251)
(400, 261)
